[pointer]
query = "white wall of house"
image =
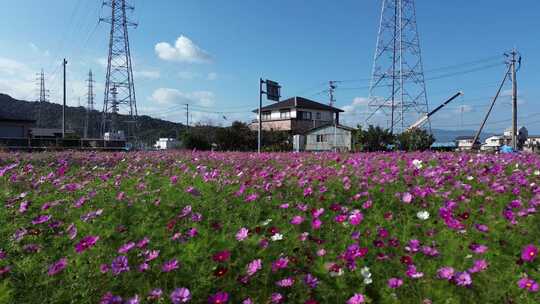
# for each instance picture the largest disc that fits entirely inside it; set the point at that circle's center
(167, 143)
(323, 139)
(293, 114)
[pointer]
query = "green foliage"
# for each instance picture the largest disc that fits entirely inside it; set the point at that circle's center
(373, 139)
(415, 140)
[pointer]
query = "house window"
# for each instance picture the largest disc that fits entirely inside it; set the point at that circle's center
(285, 114)
(321, 138)
(318, 116)
(303, 115)
(266, 115)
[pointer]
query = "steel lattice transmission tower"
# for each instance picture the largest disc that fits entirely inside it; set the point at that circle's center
(88, 127)
(397, 86)
(119, 97)
(43, 97)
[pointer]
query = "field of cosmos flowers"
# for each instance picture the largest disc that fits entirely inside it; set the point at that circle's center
(203, 227)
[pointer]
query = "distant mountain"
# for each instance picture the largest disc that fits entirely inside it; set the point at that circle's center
(150, 129)
(450, 135)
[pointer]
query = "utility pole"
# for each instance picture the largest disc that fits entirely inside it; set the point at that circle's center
(64, 63)
(331, 91)
(187, 115)
(513, 61)
(259, 134)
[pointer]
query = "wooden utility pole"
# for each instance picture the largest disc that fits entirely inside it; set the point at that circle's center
(64, 63)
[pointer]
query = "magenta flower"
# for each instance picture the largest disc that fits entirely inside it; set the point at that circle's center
(529, 253)
(395, 283)
(356, 218)
(151, 255)
(297, 220)
(85, 243)
(134, 300)
(222, 256)
(143, 243)
(72, 231)
(174, 179)
(57, 267)
(407, 198)
(119, 264)
(276, 298)
(155, 294)
(316, 224)
(446, 273)
(280, 263)
(357, 298)
(463, 279)
(479, 266)
(180, 295)
(242, 234)
(170, 265)
(219, 298)
(528, 284)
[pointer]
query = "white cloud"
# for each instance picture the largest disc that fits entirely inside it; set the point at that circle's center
(37, 50)
(187, 75)
(184, 50)
(212, 76)
(171, 97)
(359, 104)
(17, 79)
(147, 74)
(103, 62)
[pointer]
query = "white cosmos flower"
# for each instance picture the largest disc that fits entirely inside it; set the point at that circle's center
(418, 164)
(423, 215)
(470, 178)
(368, 281)
(277, 237)
(365, 272)
(537, 172)
(265, 223)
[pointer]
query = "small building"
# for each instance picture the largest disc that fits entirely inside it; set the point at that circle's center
(495, 142)
(296, 115)
(325, 138)
(443, 146)
(532, 144)
(16, 126)
(167, 143)
(464, 143)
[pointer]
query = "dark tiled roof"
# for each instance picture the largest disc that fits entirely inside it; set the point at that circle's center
(299, 102)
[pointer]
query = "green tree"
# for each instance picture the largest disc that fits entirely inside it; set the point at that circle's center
(415, 140)
(373, 139)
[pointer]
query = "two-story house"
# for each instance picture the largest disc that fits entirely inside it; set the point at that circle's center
(296, 115)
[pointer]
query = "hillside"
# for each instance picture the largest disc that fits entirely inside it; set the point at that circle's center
(149, 128)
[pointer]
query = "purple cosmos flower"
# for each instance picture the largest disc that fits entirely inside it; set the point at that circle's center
(356, 218)
(57, 267)
(220, 297)
(86, 243)
(528, 284)
(143, 243)
(287, 282)
(357, 298)
(463, 279)
(297, 220)
(134, 300)
(311, 281)
(155, 294)
(395, 283)
(529, 253)
(180, 295)
(104, 268)
(120, 264)
(3, 254)
(41, 219)
(276, 298)
(479, 266)
(170, 265)
(109, 298)
(280, 263)
(72, 231)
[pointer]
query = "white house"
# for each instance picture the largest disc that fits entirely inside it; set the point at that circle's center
(167, 143)
(464, 143)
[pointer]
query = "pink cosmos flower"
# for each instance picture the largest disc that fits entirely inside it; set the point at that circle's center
(155, 294)
(57, 267)
(242, 234)
(254, 266)
(479, 266)
(529, 253)
(41, 219)
(280, 263)
(126, 247)
(120, 264)
(174, 179)
(85, 243)
(356, 218)
(143, 243)
(413, 273)
(357, 298)
(180, 295)
(407, 198)
(72, 231)
(151, 255)
(276, 298)
(220, 297)
(528, 284)
(316, 224)
(395, 283)
(463, 279)
(222, 256)
(446, 273)
(285, 283)
(170, 265)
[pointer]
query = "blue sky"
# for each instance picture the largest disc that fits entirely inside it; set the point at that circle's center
(223, 47)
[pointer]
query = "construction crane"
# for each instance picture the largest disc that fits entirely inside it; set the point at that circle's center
(419, 123)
